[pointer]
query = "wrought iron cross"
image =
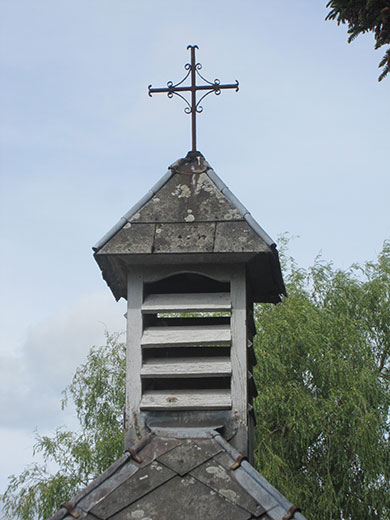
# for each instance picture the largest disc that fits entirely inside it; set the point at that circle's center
(194, 107)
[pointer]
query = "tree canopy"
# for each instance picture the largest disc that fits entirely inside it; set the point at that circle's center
(363, 16)
(324, 380)
(323, 422)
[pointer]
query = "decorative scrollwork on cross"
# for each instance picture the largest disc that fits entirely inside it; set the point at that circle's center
(193, 106)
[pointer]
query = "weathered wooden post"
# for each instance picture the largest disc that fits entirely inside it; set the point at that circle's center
(191, 262)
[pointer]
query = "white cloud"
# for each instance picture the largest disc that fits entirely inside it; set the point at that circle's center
(31, 381)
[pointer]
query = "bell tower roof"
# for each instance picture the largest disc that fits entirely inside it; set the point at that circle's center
(190, 212)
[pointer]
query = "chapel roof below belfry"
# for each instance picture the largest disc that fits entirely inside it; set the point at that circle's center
(193, 475)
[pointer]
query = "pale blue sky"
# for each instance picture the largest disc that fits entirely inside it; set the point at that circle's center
(304, 145)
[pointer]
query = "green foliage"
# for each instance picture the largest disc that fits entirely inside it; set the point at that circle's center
(323, 375)
(363, 16)
(98, 393)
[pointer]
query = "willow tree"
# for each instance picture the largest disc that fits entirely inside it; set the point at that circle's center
(323, 375)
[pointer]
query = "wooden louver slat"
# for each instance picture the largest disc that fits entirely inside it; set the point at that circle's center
(187, 367)
(186, 399)
(186, 336)
(198, 302)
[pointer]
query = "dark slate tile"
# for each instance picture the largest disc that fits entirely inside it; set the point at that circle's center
(210, 445)
(108, 486)
(237, 237)
(182, 498)
(146, 479)
(132, 238)
(195, 237)
(223, 482)
(189, 455)
(157, 447)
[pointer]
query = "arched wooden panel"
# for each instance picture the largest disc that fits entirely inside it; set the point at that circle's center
(220, 273)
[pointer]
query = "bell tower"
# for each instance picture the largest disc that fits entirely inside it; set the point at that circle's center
(191, 261)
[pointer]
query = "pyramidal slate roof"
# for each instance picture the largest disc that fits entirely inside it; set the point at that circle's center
(192, 213)
(188, 475)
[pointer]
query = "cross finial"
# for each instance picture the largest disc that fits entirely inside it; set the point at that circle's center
(194, 106)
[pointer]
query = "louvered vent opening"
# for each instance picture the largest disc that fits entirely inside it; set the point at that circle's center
(186, 344)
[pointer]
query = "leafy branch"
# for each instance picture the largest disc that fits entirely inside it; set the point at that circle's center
(362, 16)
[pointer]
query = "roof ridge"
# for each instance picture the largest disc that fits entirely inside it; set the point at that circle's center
(133, 210)
(258, 478)
(240, 207)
